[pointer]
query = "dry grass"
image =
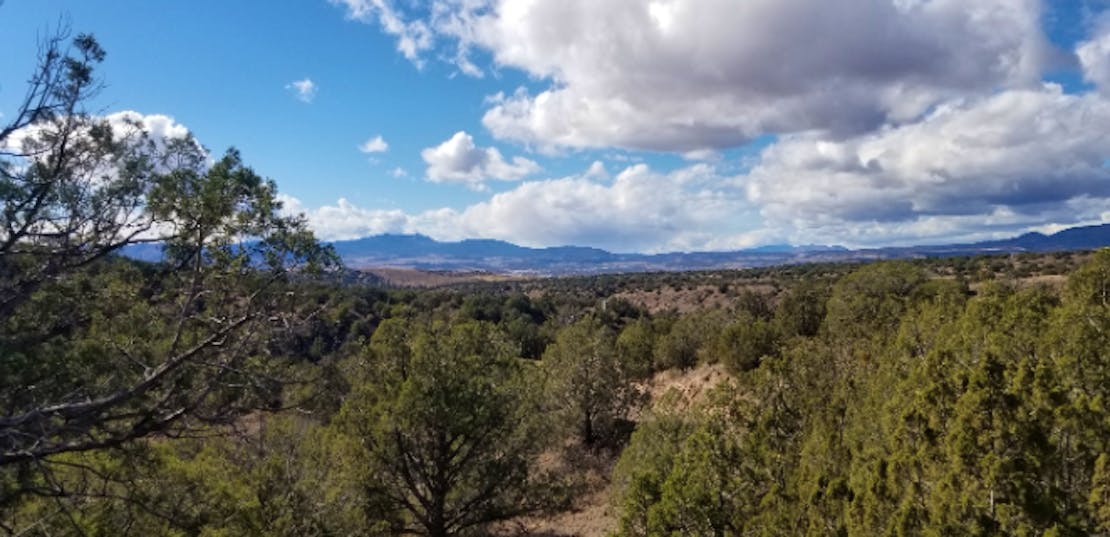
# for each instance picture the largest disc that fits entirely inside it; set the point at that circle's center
(1054, 281)
(691, 384)
(684, 299)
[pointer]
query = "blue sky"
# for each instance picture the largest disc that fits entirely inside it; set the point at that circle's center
(629, 125)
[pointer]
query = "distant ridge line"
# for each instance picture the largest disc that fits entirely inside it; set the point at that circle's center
(422, 252)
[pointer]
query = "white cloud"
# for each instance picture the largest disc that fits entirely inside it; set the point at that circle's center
(347, 221)
(158, 126)
(398, 172)
(460, 160)
(1094, 56)
(305, 90)
(977, 169)
(413, 37)
(687, 75)
(376, 144)
(150, 134)
(702, 155)
(159, 129)
(1013, 159)
(597, 171)
(638, 210)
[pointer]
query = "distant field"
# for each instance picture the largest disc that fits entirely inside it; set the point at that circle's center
(408, 277)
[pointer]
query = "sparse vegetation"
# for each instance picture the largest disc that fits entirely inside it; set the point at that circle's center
(848, 390)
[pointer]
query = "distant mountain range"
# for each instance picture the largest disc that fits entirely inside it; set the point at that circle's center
(421, 252)
(486, 255)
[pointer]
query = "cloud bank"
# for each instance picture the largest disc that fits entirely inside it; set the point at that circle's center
(1024, 153)
(638, 210)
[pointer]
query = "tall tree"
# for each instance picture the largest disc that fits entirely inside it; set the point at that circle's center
(96, 351)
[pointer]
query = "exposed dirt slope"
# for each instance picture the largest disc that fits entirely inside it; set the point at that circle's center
(592, 513)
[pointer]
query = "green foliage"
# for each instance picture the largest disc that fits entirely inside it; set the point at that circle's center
(589, 382)
(278, 480)
(742, 345)
(869, 302)
(635, 348)
(446, 431)
(922, 411)
(755, 305)
(96, 352)
(703, 493)
(688, 341)
(644, 465)
(1099, 500)
(802, 310)
(132, 350)
(712, 469)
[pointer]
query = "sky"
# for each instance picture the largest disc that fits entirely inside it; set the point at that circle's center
(629, 125)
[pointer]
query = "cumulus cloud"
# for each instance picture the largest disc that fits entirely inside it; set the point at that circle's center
(376, 144)
(159, 129)
(347, 221)
(638, 210)
(151, 134)
(158, 126)
(1094, 56)
(1009, 160)
(304, 90)
(460, 160)
(687, 75)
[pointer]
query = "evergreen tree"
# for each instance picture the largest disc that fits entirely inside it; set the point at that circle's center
(448, 437)
(594, 388)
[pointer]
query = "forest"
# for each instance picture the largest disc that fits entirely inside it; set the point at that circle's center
(248, 384)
